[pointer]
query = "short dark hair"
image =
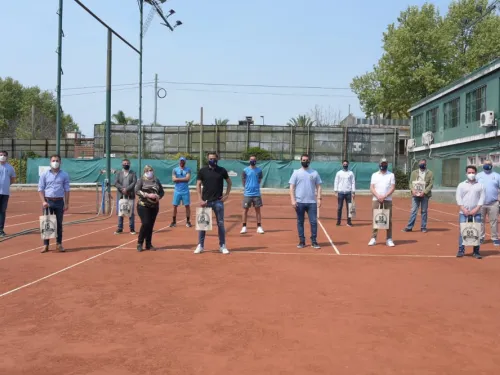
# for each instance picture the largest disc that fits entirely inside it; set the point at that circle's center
(345, 161)
(253, 156)
(4, 152)
(212, 153)
(471, 167)
(304, 155)
(125, 160)
(423, 160)
(55, 156)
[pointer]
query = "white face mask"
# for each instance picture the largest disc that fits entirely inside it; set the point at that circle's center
(471, 176)
(3, 158)
(148, 174)
(55, 164)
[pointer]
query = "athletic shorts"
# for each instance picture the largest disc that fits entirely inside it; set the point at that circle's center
(181, 197)
(252, 201)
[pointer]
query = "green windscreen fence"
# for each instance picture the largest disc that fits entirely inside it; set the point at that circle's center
(89, 170)
(276, 173)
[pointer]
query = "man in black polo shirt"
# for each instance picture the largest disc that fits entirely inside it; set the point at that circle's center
(212, 178)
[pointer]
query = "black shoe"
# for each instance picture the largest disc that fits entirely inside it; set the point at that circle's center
(139, 248)
(119, 231)
(477, 255)
(301, 245)
(150, 247)
(461, 253)
(172, 224)
(349, 224)
(407, 230)
(2, 234)
(188, 224)
(315, 245)
(338, 223)
(423, 230)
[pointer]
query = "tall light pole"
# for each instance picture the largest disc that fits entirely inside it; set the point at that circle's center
(262, 119)
(59, 78)
(156, 9)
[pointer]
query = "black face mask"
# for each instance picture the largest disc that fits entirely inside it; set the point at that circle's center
(345, 167)
(305, 164)
(126, 167)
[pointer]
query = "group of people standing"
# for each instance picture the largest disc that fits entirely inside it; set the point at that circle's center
(477, 197)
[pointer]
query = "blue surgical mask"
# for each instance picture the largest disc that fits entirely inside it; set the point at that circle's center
(212, 162)
(383, 167)
(253, 162)
(487, 167)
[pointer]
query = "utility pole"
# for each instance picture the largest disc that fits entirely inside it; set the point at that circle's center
(201, 137)
(139, 156)
(59, 78)
(32, 121)
(156, 99)
(108, 118)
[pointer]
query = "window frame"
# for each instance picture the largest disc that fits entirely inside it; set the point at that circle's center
(475, 104)
(451, 113)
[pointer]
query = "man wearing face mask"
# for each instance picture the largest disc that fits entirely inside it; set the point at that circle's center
(382, 185)
(181, 176)
(7, 178)
(211, 195)
(53, 189)
(305, 195)
(345, 188)
(470, 197)
(251, 179)
(125, 181)
(420, 199)
(491, 182)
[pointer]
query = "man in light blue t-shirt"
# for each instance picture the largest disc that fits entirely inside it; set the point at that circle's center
(251, 178)
(305, 194)
(491, 182)
(7, 177)
(181, 176)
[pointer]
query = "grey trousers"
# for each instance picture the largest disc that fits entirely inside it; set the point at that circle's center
(492, 212)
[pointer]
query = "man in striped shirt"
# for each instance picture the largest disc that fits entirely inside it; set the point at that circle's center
(345, 188)
(470, 198)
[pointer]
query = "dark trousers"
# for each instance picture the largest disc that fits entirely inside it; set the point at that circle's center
(347, 197)
(312, 213)
(4, 200)
(56, 208)
(148, 218)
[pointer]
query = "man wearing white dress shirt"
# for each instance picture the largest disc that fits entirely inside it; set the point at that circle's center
(345, 188)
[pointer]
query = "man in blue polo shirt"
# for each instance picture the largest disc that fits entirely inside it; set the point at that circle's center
(7, 177)
(491, 182)
(251, 178)
(181, 176)
(53, 189)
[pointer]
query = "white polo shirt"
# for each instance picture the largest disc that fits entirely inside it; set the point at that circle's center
(383, 183)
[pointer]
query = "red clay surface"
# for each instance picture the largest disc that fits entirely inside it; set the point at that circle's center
(268, 308)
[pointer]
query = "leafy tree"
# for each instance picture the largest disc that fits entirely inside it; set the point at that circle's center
(259, 153)
(424, 52)
(221, 122)
(301, 121)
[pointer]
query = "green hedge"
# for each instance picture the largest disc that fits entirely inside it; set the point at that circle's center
(21, 168)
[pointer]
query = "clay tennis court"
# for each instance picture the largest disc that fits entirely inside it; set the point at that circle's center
(267, 308)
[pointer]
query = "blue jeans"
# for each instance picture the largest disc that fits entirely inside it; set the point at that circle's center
(4, 200)
(464, 219)
(56, 208)
(312, 213)
(131, 219)
(218, 208)
(348, 198)
(423, 203)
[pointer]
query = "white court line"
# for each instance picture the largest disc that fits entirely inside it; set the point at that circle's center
(72, 266)
(329, 239)
(11, 216)
(69, 239)
(36, 221)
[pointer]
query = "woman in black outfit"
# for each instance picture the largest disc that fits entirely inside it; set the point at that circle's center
(149, 191)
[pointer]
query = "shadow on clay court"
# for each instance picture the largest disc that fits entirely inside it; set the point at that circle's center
(489, 253)
(76, 249)
(438, 229)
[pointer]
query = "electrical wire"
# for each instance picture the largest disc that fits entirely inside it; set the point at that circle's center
(101, 91)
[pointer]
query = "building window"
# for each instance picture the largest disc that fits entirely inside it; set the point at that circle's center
(475, 104)
(402, 146)
(451, 172)
(418, 125)
(431, 120)
(452, 113)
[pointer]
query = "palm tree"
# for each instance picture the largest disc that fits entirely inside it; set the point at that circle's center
(301, 121)
(121, 119)
(221, 122)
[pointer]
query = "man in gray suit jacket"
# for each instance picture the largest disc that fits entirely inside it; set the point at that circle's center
(125, 181)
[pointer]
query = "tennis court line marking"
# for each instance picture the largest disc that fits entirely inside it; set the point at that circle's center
(36, 221)
(65, 240)
(328, 237)
(429, 256)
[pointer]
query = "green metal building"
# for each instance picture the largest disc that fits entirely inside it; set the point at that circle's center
(458, 126)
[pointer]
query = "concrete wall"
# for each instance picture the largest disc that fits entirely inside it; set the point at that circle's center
(362, 143)
(17, 148)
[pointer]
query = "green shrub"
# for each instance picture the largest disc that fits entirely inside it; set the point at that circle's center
(259, 153)
(402, 179)
(21, 168)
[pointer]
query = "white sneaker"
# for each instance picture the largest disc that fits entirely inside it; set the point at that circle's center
(390, 243)
(260, 230)
(372, 242)
(199, 249)
(223, 249)
(243, 230)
